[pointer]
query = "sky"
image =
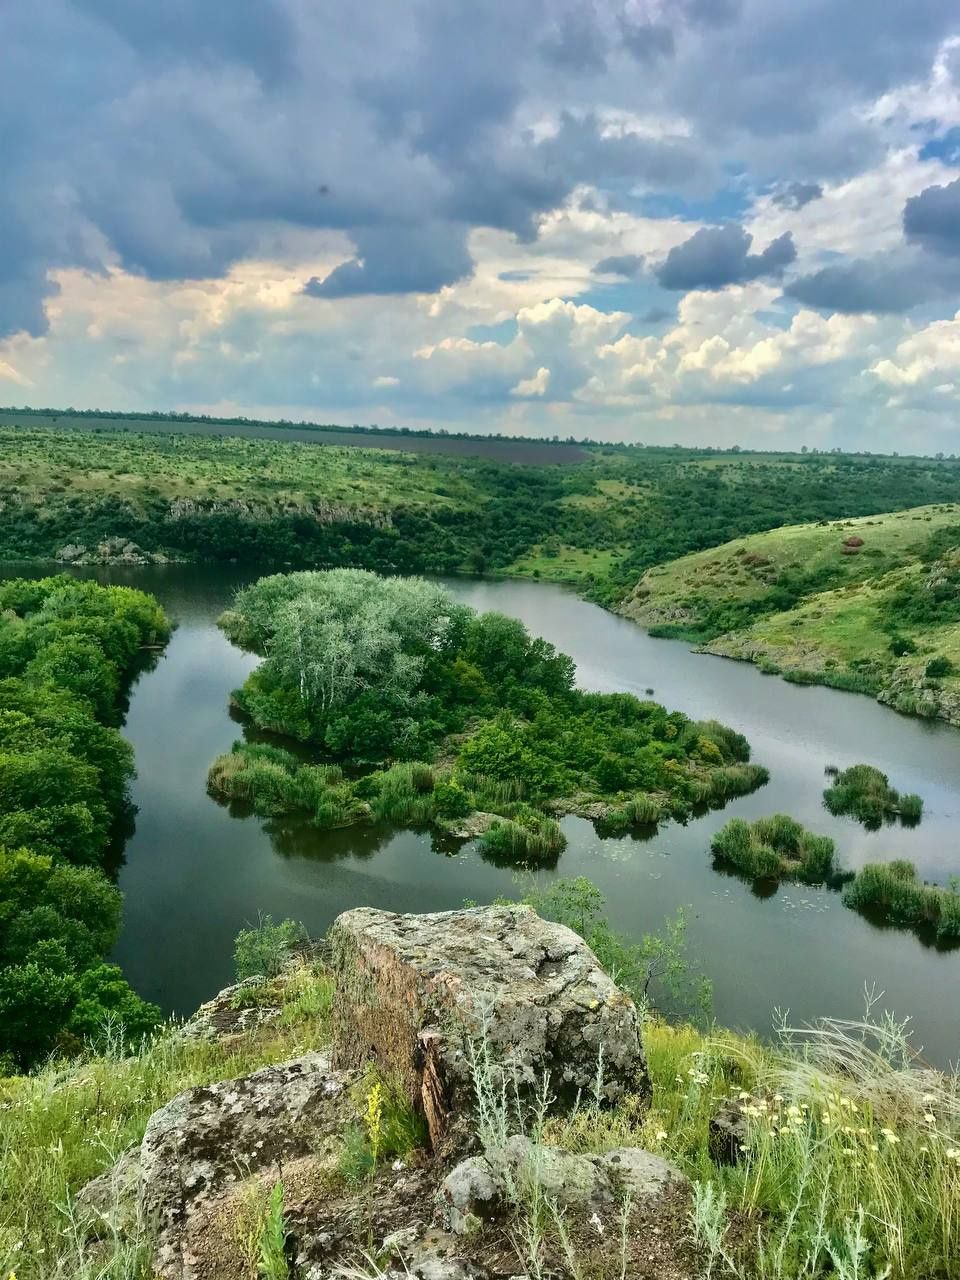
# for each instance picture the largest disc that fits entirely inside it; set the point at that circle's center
(707, 221)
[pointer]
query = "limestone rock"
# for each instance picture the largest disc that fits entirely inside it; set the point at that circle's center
(413, 991)
(476, 1189)
(207, 1139)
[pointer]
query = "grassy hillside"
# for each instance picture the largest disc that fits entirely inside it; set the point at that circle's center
(870, 605)
(596, 524)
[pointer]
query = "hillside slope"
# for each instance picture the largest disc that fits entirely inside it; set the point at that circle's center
(870, 605)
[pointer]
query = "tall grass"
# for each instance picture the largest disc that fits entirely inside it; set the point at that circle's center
(67, 1122)
(403, 794)
(275, 784)
(776, 847)
(865, 793)
(895, 892)
(850, 1167)
(530, 837)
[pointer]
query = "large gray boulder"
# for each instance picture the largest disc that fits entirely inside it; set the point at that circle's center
(421, 994)
(208, 1139)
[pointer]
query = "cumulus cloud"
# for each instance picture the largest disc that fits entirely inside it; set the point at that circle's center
(277, 203)
(535, 386)
(929, 357)
(714, 257)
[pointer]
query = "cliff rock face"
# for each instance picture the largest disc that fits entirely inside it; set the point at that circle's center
(421, 994)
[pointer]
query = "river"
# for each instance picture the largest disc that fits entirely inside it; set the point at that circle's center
(193, 875)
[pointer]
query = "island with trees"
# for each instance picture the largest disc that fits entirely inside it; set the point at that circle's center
(421, 711)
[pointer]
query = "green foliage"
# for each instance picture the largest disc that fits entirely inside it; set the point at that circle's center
(892, 891)
(67, 649)
(389, 1127)
(657, 970)
(865, 793)
(274, 783)
(264, 948)
(939, 667)
(518, 737)
(775, 848)
(273, 1263)
(528, 838)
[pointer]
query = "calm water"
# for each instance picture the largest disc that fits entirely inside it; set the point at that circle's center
(194, 875)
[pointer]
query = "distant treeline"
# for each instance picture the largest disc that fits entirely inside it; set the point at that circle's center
(240, 420)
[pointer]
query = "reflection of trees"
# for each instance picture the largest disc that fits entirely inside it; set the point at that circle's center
(297, 839)
(759, 888)
(925, 934)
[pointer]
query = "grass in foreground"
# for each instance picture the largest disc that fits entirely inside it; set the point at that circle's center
(849, 1168)
(67, 1122)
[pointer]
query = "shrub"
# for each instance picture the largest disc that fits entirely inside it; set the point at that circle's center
(450, 801)
(264, 948)
(939, 666)
(900, 646)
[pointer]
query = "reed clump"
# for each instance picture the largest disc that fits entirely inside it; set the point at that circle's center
(776, 848)
(865, 793)
(894, 892)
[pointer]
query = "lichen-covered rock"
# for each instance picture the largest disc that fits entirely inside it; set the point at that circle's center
(236, 1010)
(415, 991)
(208, 1139)
(476, 1190)
(108, 1205)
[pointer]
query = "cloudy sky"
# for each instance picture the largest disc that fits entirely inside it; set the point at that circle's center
(713, 221)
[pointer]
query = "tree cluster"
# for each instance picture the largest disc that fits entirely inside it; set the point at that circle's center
(68, 649)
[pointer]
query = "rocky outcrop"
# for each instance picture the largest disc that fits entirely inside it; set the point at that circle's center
(109, 551)
(479, 1188)
(320, 510)
(417, 992)
(416, 995)
(207, 1139)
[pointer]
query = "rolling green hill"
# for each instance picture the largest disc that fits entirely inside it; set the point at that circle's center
(871, 605)
(596, 524)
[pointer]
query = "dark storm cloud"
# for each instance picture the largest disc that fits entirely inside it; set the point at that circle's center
(258, 33)
(717, 256)
(172, 137)
(884, 284)
(620, 264)
(393, 260)
(932, 219)
(797, 194)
